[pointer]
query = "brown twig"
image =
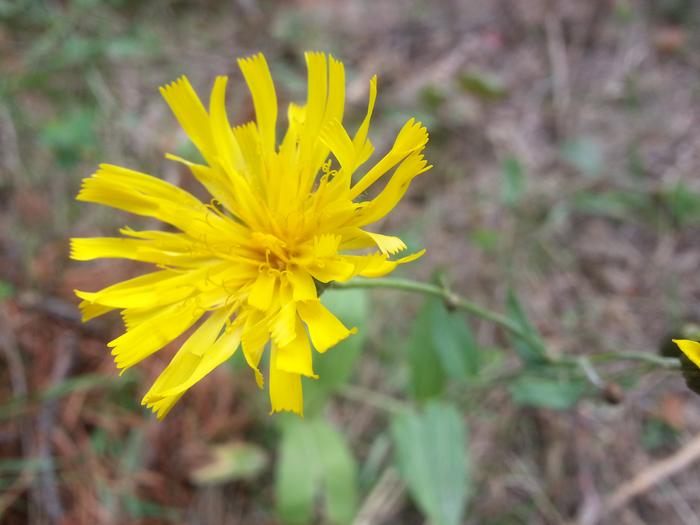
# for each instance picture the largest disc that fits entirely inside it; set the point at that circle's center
(653, 475)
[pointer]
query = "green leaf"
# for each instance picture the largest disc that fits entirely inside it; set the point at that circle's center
(543, 392)
(454, 342)
(485, 239)
(532, 349)
(585, 155)
(70, 137)
(338, 471)
(427, 373)
(297, 473)
(432, 460)
(432, 96)
(442, 345)
(657, 434)
(230, 462)
(315, 459)
(483, 86)
(335, 366)
(683, 203)
(6, 290)
(615, 204)
(513, 182)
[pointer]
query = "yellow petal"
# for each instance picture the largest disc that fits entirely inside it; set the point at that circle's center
(283, 328)
(168, 287)
(317, 94)
(361, 136)
(285, 388)
(295, 357)
(217, 183)
(152, 335)
(248, 138)
(86, 249)
(205, 363)
(255, 336)
(379, 265)
(151, 289)
(382, 204)
(338, 141)
(312, 152)
(227, 148)
(191, 115)
(324, 328)
(332, 269)
(387, 244)
(412, 137)
(257, 76)
(143, 194)
(91, 248)
(302, 284)
(263, 289)
(200, 354)
(690, 348)
(335, 105)
(91, 311)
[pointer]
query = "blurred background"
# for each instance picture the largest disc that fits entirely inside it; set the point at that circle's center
(564, 136)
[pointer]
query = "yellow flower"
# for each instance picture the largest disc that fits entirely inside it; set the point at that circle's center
(245, 267)
(691, 349)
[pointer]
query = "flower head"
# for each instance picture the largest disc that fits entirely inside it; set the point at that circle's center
(243, 270)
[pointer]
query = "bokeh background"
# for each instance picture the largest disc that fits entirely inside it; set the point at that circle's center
(566, 145)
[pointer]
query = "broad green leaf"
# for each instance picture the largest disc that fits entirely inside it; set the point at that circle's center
(338, 473)
(335, 366)
(315, 460)
(513, 185)
(297, 472)
(427, 373)
(543, 392)
(442, 345)
(531, 350)
(431, 455)
(230, 462)
(453, 341)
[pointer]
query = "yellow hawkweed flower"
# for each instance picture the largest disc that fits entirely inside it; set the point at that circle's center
(691, 349)
(246, 266)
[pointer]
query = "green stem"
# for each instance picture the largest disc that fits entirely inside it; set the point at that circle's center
(452, 301)
(455, 301)
(644, 357)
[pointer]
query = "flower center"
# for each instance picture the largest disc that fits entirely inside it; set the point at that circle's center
(276, 252)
